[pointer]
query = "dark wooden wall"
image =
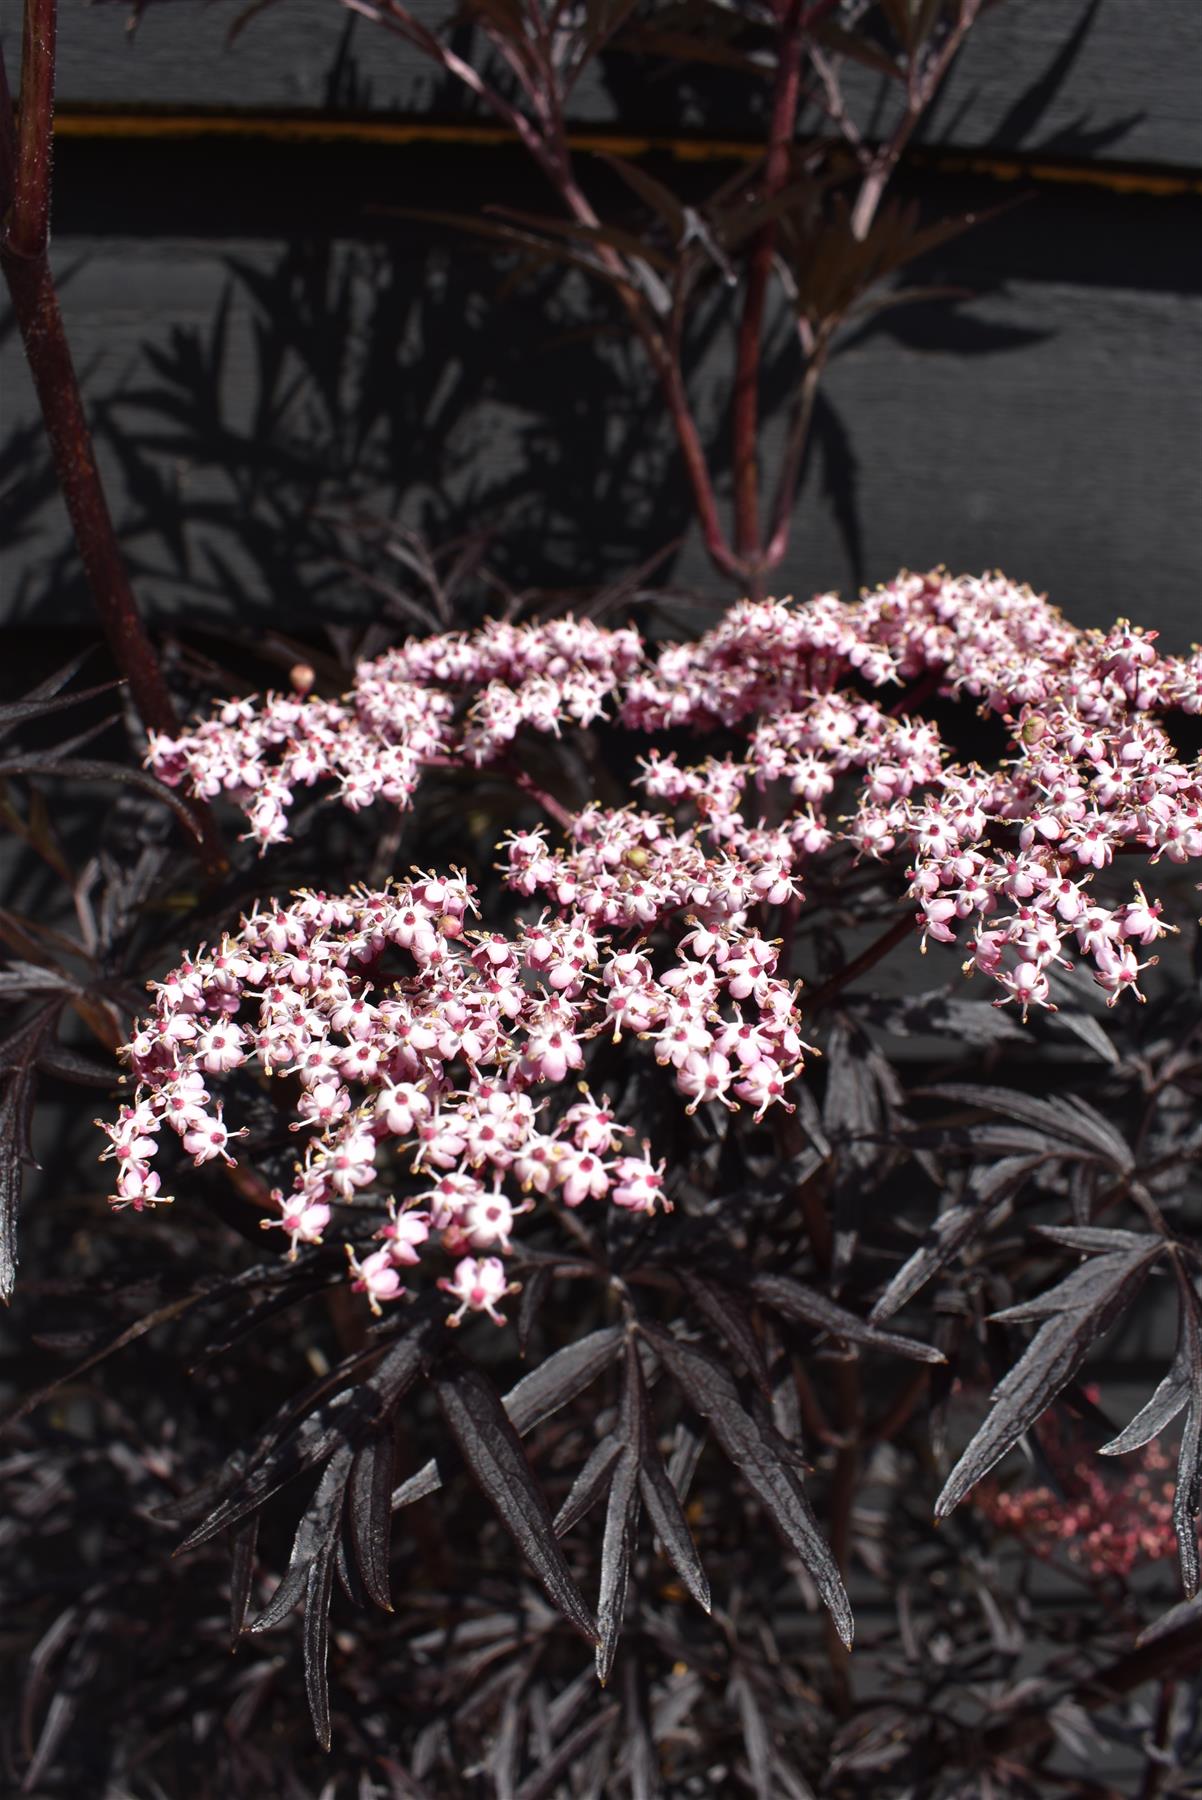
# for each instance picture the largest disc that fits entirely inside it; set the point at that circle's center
(261, 338)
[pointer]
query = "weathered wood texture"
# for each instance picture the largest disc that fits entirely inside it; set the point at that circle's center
(1107, 79)
(260, 341)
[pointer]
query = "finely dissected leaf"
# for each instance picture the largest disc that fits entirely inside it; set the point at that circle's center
(760, 1458)
(589, 1485)
(534, 1292)
(1091, 1239)
(369, 1505)
(1075, 1125)
(76, 768)
(208, 1292)
(1070, 993)
(670, 1525)
(1189, 1458)
(730, 1320)
(493, 1452)
(756, 1738)
(1078, 1290)
(661, 200)
(15, 1110)
(642, 1756)
(244, 1539)
(861, 1091)
(1151, 1419)
(535, 1398)
(687, 1446)
(52, 683)
(316, 1535)
(621, 1516)
(329, 1425)
(343, 1420)
(953, 1229)
(938, 1014)
(1185, 1613)
(792, 1300)
(317, 1640)
(543, 1782)
(21, 712)
(1096, 1294)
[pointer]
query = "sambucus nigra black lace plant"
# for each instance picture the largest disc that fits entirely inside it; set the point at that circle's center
(500, 1091)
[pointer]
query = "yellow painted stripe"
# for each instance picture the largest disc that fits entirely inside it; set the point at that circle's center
(92, 124)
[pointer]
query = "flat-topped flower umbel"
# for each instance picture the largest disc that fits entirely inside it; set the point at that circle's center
(409, 1029)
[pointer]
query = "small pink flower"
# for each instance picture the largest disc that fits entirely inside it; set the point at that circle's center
(478, 1284)
(376, 1276)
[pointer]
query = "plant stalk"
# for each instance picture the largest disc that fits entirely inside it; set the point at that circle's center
(747, 366)
(26, 153)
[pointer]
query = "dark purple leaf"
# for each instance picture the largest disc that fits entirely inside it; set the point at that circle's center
(209, 1291)
(1093, 1239)
(641, 1752)
(670, 1525)
(1189, 1457)
(316, 1536)
(70, 1065)
(16, 1109)
(74, 768)
(20, 712)
(756, 1739)
(953, 1229)
(1151, 1419)
(729, 1318)
(661, 200)
(687, 1446)
(545, 1780)
(1097, 1293)
(793, 1301)
(1078, 1290)
(317, 1640)
(344, 1420)
(244, 1540)
(937, 1014)
(1073, 1124)
(534, 1292)
(621, 1515)
(369, 1505)
(761, 1459)
(591, 1482)
(492, 1450)
(535, 1398)
(1184, 1614)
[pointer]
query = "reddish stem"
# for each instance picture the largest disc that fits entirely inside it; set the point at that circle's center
(747, 367)
(25, 170)
(860, 965)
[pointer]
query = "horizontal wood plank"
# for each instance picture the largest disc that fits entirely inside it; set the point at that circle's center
(1073, 80)
(1049, 426)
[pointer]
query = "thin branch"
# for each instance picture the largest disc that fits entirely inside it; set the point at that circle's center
(25, 170)
(747, 365)
(553, 156)
(794, 457)
(920, 92)
(860, 965)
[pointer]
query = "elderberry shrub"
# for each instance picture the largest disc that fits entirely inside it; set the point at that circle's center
(579, 1102)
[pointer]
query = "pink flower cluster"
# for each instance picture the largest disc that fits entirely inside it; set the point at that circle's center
(1108, 1522)
(408, 1032)
(999, 860)
(402, 714)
